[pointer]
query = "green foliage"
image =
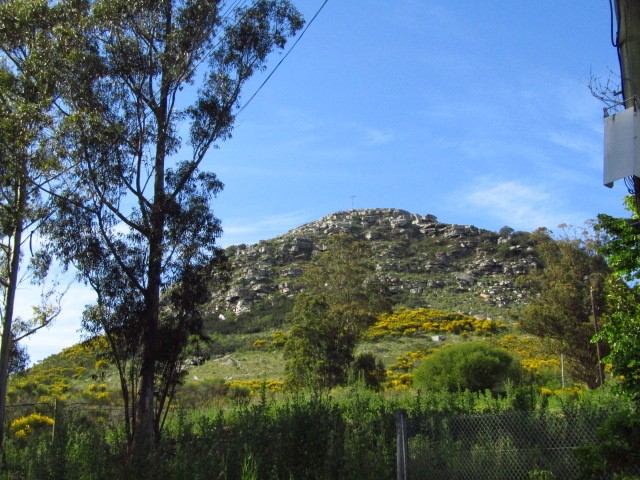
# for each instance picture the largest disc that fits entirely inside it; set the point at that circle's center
(265, 314)
(349, 436)
(621, 331)
(370, 369)
(621, 239)
(65, 376)
(134, 214)
(565, 291)
(541, 475)
(473, 366)
(514, 244)
(28, 118)
(340, 300)
(18, 358)
(617, 449)
(321, 342)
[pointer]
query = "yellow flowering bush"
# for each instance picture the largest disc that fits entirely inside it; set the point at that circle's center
(33, 423)
(58, 377)
(397, 377)
(277, 340)
(255, 386)
(428, 320)
(102, 397)
(97, 393)
(82, 350)
(101, 364)
(533, 357)
(536, 365)
(398, 382)
(407, 361)
(572, 391)
(523, 347)
(546, 392)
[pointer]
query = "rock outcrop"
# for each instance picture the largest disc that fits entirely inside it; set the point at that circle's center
(423, 261)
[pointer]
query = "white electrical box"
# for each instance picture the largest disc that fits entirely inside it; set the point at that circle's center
(621, 145)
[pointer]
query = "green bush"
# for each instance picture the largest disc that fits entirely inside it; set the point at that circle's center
(467, 366)
(370, 369)
(617, 449)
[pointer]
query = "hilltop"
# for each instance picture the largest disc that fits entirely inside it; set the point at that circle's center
(423, 261)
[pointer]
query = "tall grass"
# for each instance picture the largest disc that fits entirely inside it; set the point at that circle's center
(348, 435)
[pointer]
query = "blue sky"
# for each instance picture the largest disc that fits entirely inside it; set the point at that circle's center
(476, 112)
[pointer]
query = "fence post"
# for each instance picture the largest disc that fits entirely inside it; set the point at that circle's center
(56, 419)
(402, 454)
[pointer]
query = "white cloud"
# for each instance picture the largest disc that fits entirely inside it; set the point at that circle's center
(575, 142)
(375, 136)
(252, 230)
(512, 203)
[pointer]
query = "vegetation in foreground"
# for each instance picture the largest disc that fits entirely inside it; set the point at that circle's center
(258, 426)
(349, 434)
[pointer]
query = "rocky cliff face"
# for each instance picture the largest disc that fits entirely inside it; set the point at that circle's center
(424, 262)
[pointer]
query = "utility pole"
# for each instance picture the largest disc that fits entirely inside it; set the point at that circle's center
(628, 44)
(597, 329)
(627, 41)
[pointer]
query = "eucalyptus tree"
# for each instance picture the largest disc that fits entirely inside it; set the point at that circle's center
(340, 299)
(567, 302)
(621, 329)
(134, 215)
(27, 117)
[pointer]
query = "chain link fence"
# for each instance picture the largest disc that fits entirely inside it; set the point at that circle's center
(539, 445)
(498, 446)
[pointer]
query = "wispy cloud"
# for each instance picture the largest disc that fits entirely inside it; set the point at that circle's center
(252, 230)
(521, 206)
(371, 136)
(575, 142)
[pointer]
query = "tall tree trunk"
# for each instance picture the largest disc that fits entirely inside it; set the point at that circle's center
(144, 435)
(10, 297)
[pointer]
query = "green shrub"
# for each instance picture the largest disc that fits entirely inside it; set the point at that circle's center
(473, 366)
(617, 449)
(370, 369)
(203, 392)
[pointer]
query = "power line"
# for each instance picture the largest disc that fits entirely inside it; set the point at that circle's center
(235, 4)
(614, 42)
(283, 58)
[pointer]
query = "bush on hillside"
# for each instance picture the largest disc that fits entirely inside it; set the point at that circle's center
(467, 366)
(428, 320)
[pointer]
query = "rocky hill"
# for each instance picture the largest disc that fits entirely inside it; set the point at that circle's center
(423, 261)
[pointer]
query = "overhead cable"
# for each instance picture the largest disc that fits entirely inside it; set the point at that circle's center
(283, 58)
